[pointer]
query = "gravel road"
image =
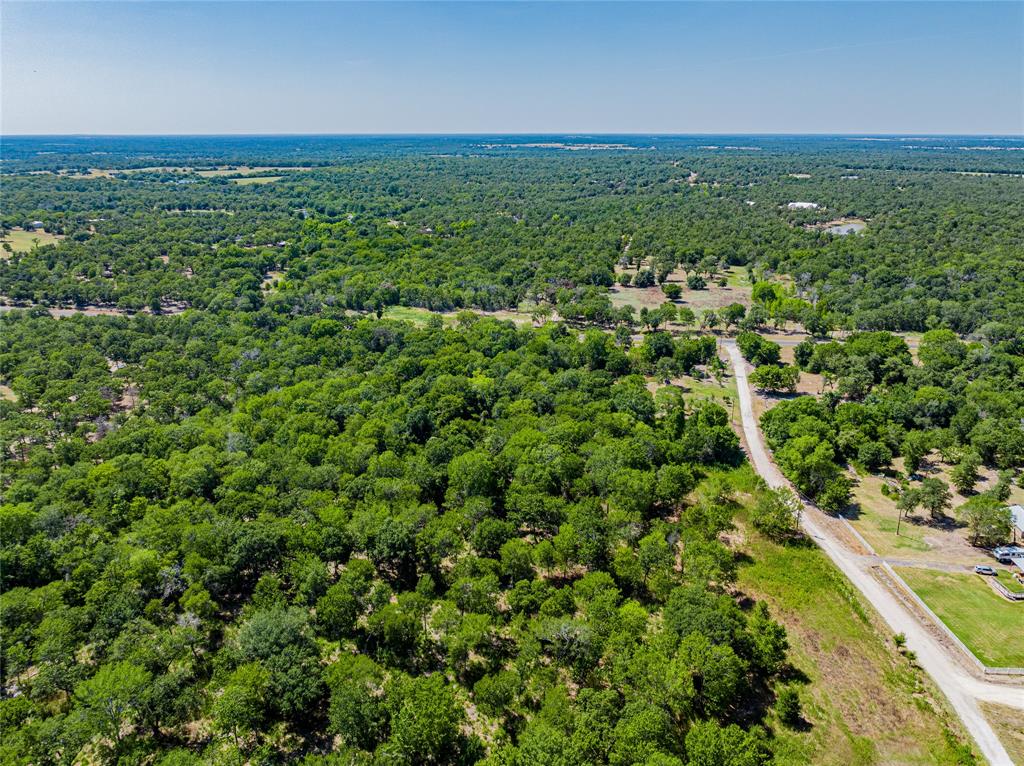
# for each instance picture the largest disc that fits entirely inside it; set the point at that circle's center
(963, 690)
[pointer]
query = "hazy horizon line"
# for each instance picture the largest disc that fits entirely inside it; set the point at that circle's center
(457, 134)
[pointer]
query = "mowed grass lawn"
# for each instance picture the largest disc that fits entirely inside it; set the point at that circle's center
(990, 626)
(1007, 580)
(23, 241)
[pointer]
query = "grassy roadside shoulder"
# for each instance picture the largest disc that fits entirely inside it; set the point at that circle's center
(1009, 726)
(864, 702)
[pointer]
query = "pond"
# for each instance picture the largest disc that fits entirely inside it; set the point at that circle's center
(850, 227)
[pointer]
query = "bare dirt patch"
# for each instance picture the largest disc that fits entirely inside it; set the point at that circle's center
(713, 297)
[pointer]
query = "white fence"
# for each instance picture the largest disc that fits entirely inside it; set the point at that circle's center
(1004, 591)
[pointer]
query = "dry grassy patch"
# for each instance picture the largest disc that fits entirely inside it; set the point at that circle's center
(736, 290)
(256, 180)
(865, 703)
(245, 170)
(91, 173)
(270, 280)
(1009, 725)
(920, 539)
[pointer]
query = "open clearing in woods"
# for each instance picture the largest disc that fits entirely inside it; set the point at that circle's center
(420, 316)
(736, 290)
(874, 515)
(256, 180)
(22, 241)
(245, 170)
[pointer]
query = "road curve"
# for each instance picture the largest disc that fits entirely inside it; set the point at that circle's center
(963, 690)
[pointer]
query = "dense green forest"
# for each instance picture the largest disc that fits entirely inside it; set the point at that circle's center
(358, 528)
(249, 518)
(964, 400)
(452, 223)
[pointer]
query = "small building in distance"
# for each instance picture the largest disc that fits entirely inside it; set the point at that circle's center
(802, 205)
(1017, 516)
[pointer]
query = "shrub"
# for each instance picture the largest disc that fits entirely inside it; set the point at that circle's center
(644, 278)
(757, 350)
(776, 513)
(787, 705)
(696, 282)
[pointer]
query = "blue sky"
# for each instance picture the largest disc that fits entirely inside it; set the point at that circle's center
(602, 67)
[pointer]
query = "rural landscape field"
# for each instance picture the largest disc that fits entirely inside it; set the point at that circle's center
(494, 447)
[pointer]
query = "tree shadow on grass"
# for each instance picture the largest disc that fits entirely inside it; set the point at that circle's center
(780, 396)
(762, 699)
(791, 674)
(799, 540)
(944, 523)
(742, 558)
(852, 512)
(801, 725)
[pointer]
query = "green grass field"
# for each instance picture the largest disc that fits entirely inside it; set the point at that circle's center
(256, 180)
(865, 703)
(988, 624)
(738, 277)
(1007, 581)
(414, 314)
(723, 394)
(876, 521)
(419, 316)
(23, 241)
